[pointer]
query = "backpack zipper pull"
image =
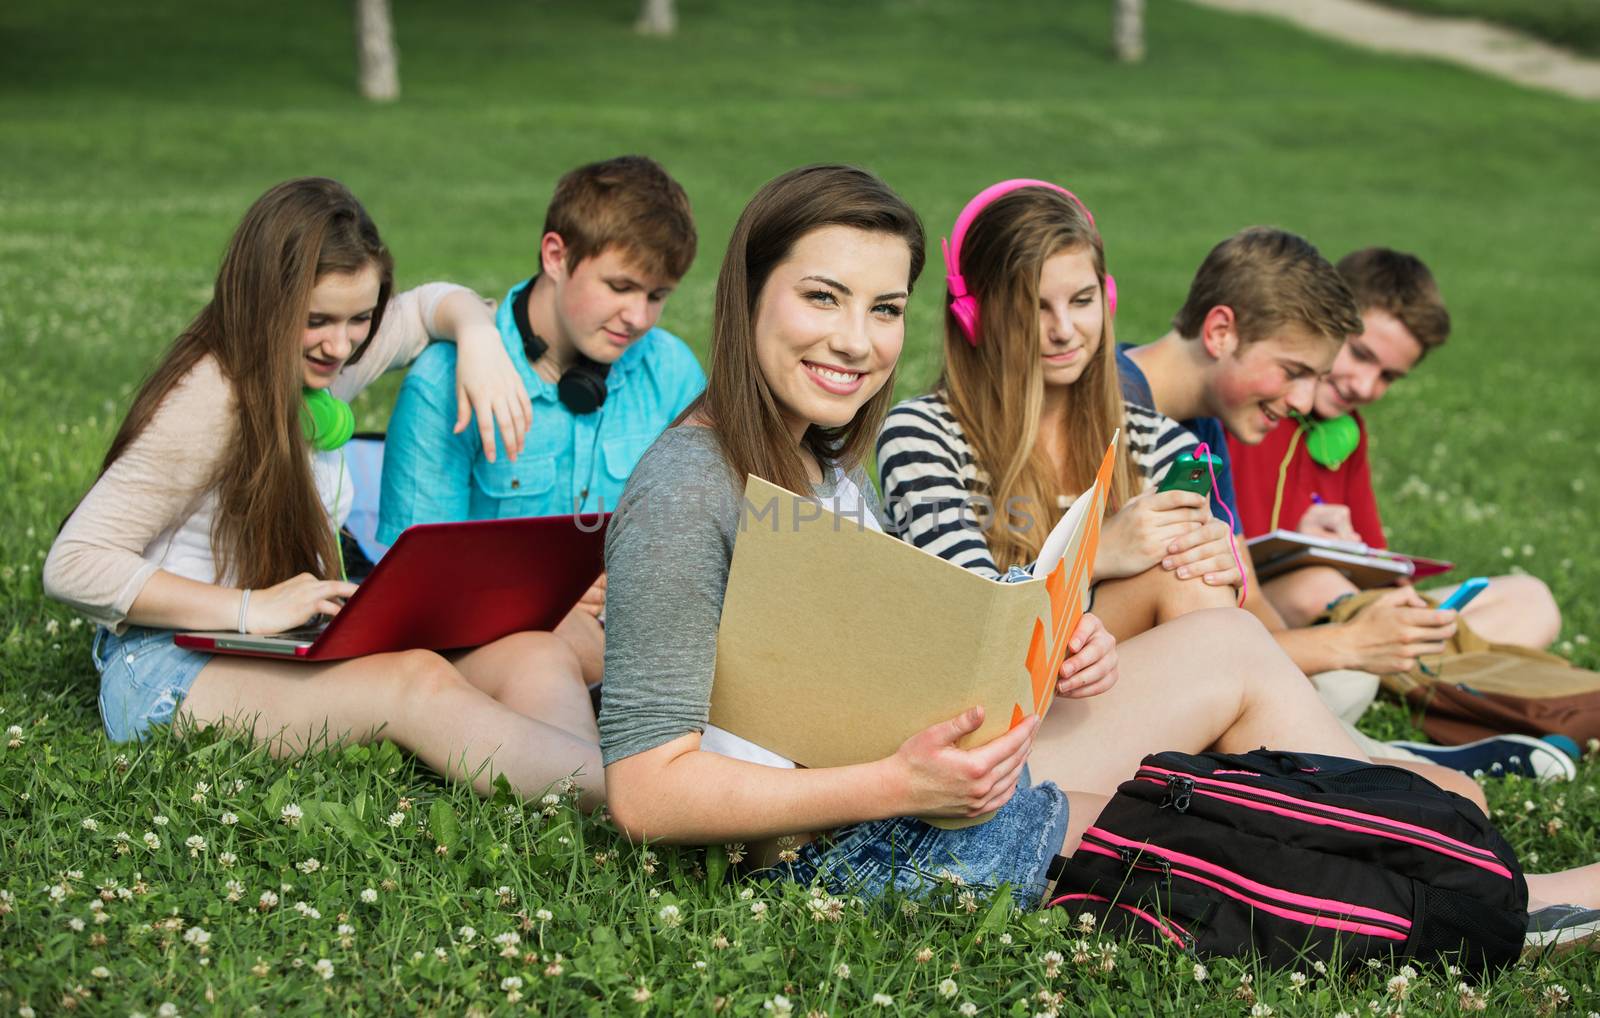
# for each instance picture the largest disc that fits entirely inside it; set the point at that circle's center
(1180, 790)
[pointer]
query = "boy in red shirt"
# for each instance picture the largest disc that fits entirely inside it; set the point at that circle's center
(1280, 483)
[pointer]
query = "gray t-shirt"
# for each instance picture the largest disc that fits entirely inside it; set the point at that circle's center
(668, 550)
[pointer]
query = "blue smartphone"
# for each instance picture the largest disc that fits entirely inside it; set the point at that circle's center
(1464, 594)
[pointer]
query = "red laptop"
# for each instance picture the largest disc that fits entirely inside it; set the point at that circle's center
(445, 586)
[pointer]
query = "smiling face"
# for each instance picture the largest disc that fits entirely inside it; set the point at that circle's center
(338, 321)
(604, 303)
(1253, 386)
(1071, 315)
(830, 322)
(1384, 353)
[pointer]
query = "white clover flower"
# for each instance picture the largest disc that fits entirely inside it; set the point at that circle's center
(511, 983)
(235, 890)
(269, 899)
(90, 824)
(967, 1009)
(323, 968)
(758, 910)
(24, 1011)
(196, 845)
(641, 994)
(100, 972)
(8, 902)
(395, 819)
(670, 917)
(14, 737)
(1005, 938)
(291, 814)
(229, 819)
(1297, 980)
(883, 1000)
(305, 909)
(75, 924)
(159, 820)
(544, 915)
(151, 841)
(747, 893)
(507, 938)
(948, 988)
(309, 866)
(197, 936)
(1201, 973)
(466, 933)
(779, 1005)
(1260, 1011)
(167, 1010)
(57, 892)
(369, 895)
(227, 859)
(842, 972)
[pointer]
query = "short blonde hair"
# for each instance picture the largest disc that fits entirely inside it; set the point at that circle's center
(1270, 278)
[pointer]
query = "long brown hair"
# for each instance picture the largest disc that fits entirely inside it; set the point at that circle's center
(996, 389)
(270, 523)
(738, 401)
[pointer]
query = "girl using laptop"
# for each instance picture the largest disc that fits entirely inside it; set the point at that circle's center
(807, 328)
(1027, 400)
(219, 503)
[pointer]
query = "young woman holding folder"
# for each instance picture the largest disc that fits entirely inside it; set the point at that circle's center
(807, 328)
(219, 503)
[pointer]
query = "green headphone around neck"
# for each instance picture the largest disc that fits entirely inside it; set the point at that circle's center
(1331, 442)
(327, 421)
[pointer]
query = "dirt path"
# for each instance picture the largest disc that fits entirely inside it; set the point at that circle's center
(1476, 44)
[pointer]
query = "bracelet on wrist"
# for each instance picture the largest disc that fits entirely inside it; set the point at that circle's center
(244, 610)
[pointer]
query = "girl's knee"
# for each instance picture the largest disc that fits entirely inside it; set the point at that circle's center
(422, 676)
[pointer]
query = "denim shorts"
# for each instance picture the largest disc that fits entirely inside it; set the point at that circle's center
(143, 676)
(905, 855)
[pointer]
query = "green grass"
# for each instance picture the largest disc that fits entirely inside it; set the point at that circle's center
(135, 136)
(1571, 23)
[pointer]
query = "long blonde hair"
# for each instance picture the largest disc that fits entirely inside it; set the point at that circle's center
(996, 388)
(270, 523)
(738, 401)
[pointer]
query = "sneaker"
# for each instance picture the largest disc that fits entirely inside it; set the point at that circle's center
(1561, 928)
(1498, 756)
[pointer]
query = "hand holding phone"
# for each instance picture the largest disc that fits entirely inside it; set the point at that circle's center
(1190, 473)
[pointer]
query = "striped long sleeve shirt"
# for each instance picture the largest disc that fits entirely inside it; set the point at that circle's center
(930, 478)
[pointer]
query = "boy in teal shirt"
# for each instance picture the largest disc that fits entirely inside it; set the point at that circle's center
(602, 380)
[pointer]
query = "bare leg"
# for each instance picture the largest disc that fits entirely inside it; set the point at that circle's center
(1211, 679)
(536, 674)
(415, 697)
(1304, 594)
(587, 638)
(1580, 886)
(1513, 609)
(1139, 603)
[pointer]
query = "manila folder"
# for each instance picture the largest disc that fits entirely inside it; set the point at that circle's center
(837, 642)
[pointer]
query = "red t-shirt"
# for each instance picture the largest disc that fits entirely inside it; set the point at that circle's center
(1255, 479)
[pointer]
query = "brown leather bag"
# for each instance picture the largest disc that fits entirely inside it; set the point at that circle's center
(1476, 689)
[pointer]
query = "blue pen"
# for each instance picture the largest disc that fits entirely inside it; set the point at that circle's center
(1316, 499)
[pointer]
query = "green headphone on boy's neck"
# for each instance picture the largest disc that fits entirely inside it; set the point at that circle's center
(327, 421)
(1332, 441)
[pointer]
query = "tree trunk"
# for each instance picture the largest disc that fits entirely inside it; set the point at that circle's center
(378, 58)
(1127, 30)
(657, 17)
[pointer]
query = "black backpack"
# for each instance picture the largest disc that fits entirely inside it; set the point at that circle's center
(1299, 858)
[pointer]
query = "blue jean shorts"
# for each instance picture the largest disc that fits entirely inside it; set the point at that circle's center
(905, 855)
(143, 677)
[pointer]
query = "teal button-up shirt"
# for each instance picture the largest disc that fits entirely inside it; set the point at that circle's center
(569, 464)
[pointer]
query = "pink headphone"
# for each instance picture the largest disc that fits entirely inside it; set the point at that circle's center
(962, 304)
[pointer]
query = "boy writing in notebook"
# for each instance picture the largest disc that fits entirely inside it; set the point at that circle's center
(1324, 487)
(1265, 317)
(1265, 320)
(603, 380)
